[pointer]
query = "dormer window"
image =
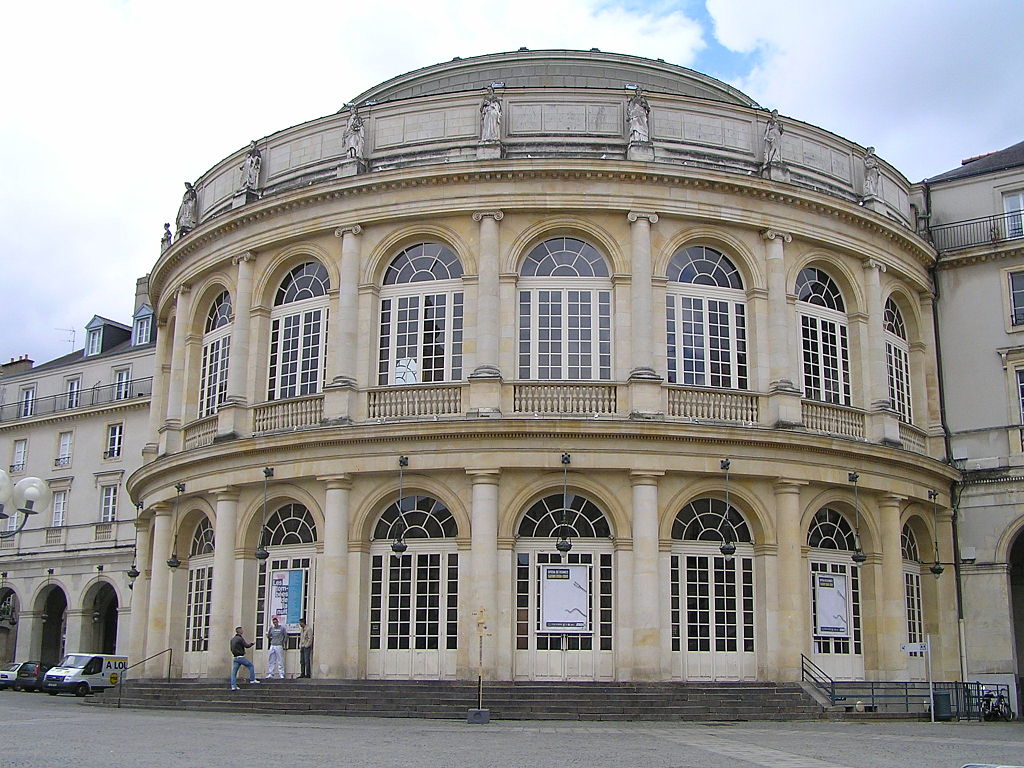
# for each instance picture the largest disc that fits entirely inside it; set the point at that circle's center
(142, 326)
(93, 341)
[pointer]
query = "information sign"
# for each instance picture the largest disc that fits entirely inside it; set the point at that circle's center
(832, 615)
(565, 599)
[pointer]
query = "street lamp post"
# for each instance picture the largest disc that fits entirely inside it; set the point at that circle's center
(30, 496)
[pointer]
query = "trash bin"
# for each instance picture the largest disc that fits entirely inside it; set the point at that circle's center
(943, 705)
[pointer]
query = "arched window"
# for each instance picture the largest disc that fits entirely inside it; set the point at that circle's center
(200, 588)
(706, 320)
(565, 308)
(574, 517)
(416, 517)
(213, 377)
(283, 584)
(709, 519)
(835, 585)
(202, 539)
(421, 315)
(897, 360)
(414, 595)
(824, 338)
(912, 587)
(298, 333)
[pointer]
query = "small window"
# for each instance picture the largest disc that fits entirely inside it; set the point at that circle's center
(73, 391)
(28, 402)
(1017, 298)
(108, 503)
(143, 330)
(1013, 205)
(60, 508)
(94, 341)
(122, 384)
(115, 440)
(18, 455)
(63, 458)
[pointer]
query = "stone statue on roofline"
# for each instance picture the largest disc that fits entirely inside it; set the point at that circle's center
(165, 241)
(638, 113)
(490, 117)
(871, 173)
(354, 136)
(188, 211)
(772, 156)
(250, 169)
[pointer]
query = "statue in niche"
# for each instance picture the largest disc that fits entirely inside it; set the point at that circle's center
(165, 241)
(772, 140)
(353, 139)
(490, 117)
(250, 169)
(871, 173)
(187, 218)
(638, 113)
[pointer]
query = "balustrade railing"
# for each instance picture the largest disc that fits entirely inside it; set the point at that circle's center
(713, 405)
(288, 414)
(913, 439)
(83, 398)
(833, 419)
(971, 232)
(599, 399)
(420, 400)
(200, 433)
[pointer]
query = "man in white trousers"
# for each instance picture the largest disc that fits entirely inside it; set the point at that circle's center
(276, 637)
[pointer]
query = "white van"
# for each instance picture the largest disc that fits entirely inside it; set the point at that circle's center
(81, 673)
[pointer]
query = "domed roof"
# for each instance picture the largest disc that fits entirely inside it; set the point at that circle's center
(554, 69)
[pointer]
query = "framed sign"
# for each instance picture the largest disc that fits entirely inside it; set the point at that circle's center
(565, 599)
(832, 612)
(286, 597)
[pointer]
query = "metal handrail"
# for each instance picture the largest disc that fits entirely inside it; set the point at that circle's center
(108, 394)
(980, 231)
(170, 658)
(819, 678)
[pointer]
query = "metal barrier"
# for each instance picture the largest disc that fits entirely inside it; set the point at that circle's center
(120, 683)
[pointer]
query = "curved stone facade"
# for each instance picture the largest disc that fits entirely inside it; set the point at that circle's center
(465, 329)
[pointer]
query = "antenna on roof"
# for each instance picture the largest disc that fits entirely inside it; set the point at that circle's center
(71, 336)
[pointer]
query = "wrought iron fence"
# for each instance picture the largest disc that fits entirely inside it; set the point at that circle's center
(971, 232)
(82, 398)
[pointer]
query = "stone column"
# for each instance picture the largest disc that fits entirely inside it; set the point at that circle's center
(159, 590)
(885, 426)
(343, 331)
(140, 591)
(232, 416)
(783, 391)
(646, 584)
(484, 542)
(790, 637)
(891, 603)
(223, 599)
(485, 380)
(488, 298)
(330, 618)
(175, 392)
(75, 622)
(641, 294)
(158, 399)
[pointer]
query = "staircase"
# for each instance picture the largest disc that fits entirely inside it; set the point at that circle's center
(452, 699)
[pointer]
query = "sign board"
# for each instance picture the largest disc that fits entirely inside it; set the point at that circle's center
(832, 613)
(565, 599)
(286, 597)
(914, 647)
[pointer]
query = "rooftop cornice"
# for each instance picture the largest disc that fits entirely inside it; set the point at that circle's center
(513, 171)
(980, 254)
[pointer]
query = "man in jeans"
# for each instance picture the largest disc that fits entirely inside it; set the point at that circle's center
(276, 637)
(238, 646)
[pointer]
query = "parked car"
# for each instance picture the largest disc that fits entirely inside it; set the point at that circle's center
(29, 676)
(8, 674)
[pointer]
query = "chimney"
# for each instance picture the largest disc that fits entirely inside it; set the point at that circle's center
(141, 293)
(14, 367)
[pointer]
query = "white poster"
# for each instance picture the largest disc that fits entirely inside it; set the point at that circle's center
(286, 598)
(565, 599)
(832, 617)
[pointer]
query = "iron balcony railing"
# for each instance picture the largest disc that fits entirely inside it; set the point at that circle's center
(82, 398)
(984, 231)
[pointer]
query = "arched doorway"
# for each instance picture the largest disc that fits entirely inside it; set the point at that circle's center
(8, 624)
(53, 622)
(103, 609)
(1016, 562)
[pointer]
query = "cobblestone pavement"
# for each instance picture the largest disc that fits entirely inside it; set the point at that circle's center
(45, 731)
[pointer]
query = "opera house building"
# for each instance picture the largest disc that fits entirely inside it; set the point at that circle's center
(556, 365)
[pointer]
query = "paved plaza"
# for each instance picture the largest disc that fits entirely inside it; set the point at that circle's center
(61, 731)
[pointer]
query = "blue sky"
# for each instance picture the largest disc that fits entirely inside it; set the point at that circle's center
(110, 105)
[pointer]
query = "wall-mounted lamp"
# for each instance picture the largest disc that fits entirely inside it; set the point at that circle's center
(728, 548)
(261, 551)
(173, 562)
(858, 555)
(936, 567)
(563, 544)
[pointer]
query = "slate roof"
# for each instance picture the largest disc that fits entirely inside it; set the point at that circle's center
(1011, 157)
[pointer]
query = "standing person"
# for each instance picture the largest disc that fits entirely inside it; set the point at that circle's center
(238, 646)
(305, 649)
(276, 636)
